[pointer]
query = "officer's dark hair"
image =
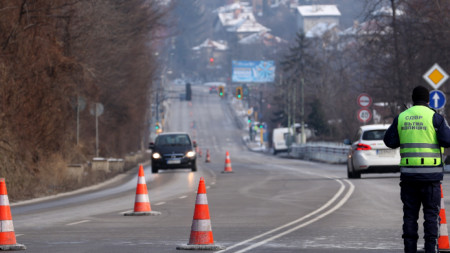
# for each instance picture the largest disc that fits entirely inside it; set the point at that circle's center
(421, 94)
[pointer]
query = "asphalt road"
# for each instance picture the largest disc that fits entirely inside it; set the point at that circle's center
(269, 203)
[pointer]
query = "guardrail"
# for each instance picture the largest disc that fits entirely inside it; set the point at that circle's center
(329, 152)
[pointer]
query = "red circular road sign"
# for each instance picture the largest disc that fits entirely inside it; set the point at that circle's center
(364, 115)
(364, 100)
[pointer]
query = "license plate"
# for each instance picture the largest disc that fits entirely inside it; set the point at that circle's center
(174, 161)
(386, 152)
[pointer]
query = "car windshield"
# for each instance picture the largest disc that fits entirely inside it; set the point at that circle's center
(173, 140)
(374, 135)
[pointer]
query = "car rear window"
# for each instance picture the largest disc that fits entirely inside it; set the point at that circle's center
(175, 139)
(374, 135)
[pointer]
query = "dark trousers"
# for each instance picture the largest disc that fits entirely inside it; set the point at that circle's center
(413, 195)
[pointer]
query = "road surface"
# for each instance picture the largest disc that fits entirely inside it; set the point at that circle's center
(269, 203)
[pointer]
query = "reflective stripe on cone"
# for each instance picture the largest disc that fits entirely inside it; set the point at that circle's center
(7, 235)
(228, 168)
(142, 202)
(201, 236)
(443, 241)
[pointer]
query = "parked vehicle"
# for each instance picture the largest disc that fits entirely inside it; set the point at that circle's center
(173, 150)
(279, 140)
(369, 154)
(282, 138)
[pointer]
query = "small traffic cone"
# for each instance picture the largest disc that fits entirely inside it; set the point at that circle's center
(208, 157)
(443, 242)
(228, 168)
(7, 235)
(142, 203)
(201, 237)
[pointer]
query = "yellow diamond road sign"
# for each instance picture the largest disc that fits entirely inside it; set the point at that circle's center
(435, 76)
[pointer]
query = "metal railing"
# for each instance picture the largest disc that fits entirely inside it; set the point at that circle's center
(329, 152)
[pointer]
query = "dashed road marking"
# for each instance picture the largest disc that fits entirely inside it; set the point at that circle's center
(128, 211)
(77, 222)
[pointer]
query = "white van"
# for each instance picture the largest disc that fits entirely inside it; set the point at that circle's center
(279, 137)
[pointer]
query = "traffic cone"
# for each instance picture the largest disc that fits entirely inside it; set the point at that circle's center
(201, 237)
(228, 168)
(208, 157)
(443, 242)
(7, 235)
(142, 203)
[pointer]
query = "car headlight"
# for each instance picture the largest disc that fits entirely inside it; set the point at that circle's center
(156, 155)
(190, 154)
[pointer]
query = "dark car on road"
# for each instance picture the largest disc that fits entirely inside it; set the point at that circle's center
(173, 151)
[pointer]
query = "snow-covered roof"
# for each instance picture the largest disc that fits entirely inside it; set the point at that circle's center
(320, 29)
(318, 10)
(231, 7)
(367, 28)
(231, 18)
(387, 11)
(261, 37)
(208, 43)
(248, 26)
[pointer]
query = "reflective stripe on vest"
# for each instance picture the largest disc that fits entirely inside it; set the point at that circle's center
(421, 169)
(419, 145)
(420, 155)
(418, 141)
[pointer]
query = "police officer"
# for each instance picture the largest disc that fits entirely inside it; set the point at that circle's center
(420, 133)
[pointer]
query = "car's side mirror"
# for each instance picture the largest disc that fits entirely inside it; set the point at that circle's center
(347, 142)
(151, 145)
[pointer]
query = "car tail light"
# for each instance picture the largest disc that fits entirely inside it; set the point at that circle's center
(362, 146)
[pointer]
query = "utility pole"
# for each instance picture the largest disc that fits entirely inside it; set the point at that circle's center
(303, 112)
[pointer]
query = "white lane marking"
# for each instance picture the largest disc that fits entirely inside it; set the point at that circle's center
(17, 235)
(337, 206)
(126, 211)
(182, 197)
(213, 183)
(340, 191)
(207, 187)
(160, 203)
(78, 222)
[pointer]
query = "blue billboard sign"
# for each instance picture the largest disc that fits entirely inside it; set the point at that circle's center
(253, 71)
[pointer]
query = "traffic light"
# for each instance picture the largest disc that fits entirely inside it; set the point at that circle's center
(249, 120)
(158, 127)
(211, 61)
(239, 92)
(221, 91)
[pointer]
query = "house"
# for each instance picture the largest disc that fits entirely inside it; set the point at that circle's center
(310, 16)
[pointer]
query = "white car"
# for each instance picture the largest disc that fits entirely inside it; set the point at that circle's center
(369, 154)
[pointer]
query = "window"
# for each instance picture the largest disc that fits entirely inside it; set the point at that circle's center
(176, 139)
(374, 135)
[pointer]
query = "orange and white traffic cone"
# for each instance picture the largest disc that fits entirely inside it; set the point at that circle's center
(7, 235)
(443, 242)
(228, 168)
(201, 237)
(142, 203)
(208, 157)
